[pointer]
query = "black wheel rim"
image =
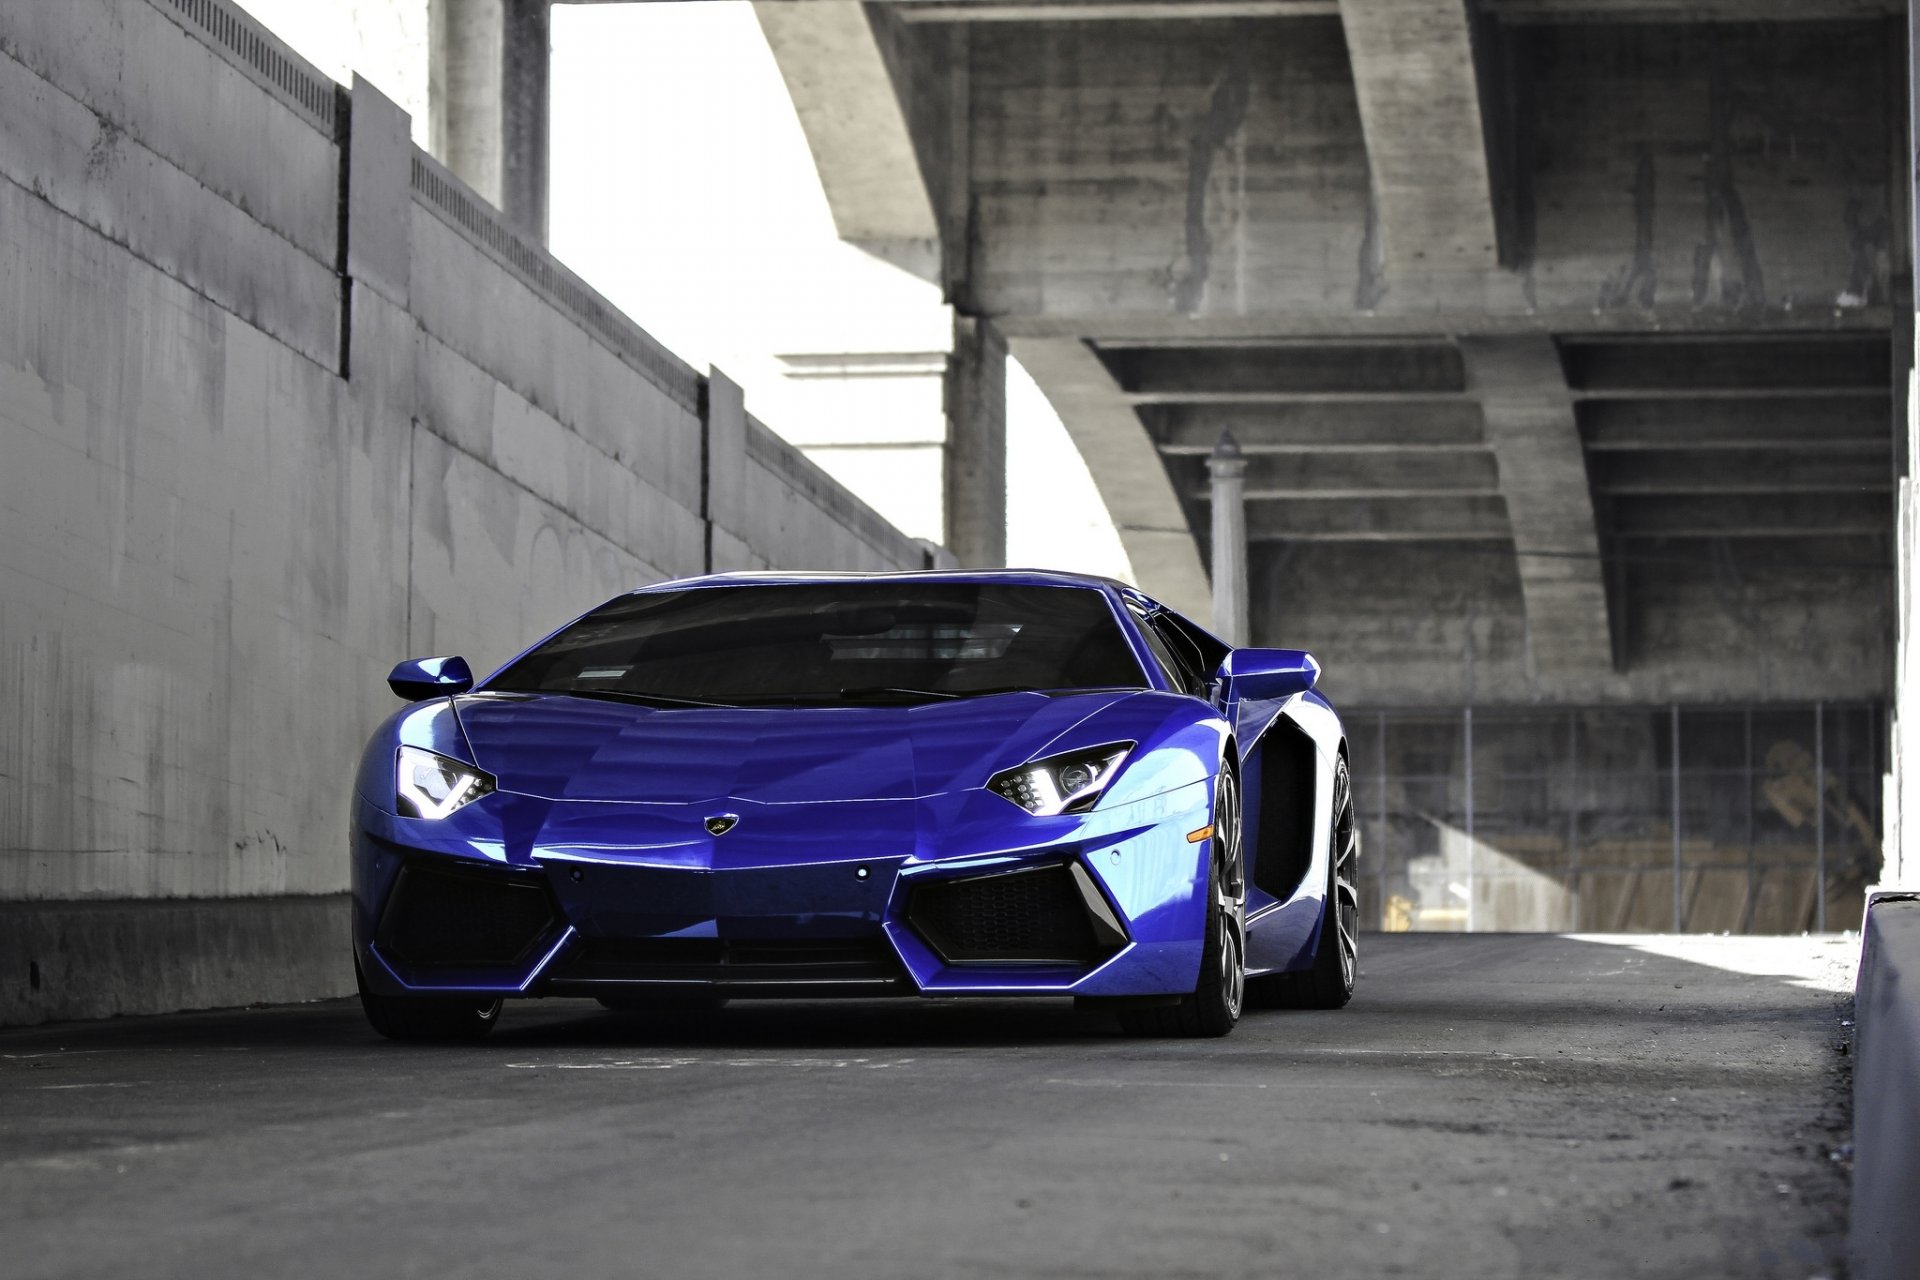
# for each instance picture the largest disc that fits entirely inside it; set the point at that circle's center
(1346, 875)
(1230, 893)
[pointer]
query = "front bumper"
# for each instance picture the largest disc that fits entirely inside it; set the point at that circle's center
(516, 896)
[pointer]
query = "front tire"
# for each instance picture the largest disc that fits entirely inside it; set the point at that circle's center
(427, 1017)
(1213, 1006)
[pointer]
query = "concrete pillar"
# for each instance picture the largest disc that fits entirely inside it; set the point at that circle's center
(489, 68)
(723, 471)
(1227, 468)
(379, 239)
(976, 480)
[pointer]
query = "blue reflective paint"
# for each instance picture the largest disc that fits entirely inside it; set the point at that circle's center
(420, 678)
(841, 812)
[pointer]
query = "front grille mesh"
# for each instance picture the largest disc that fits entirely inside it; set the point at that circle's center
(732, 962)
(1031, 916)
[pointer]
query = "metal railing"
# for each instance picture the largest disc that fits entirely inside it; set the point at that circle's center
(265, 59)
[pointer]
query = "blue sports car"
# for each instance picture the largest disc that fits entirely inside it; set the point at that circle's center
(921, 784)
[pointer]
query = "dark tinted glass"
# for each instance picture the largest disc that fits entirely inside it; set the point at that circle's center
(831, 642)
(1186, 670)
(1157, 643)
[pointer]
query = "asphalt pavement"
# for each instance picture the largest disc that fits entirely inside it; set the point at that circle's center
(1488, 1106)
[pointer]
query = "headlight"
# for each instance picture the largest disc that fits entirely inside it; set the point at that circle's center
(1069, 783)
(428, 785)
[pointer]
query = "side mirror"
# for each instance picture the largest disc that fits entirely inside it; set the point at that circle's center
(418, 679)
(1262, 674)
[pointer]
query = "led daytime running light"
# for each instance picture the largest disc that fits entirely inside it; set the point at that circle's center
(429, 785)
(1069, 783)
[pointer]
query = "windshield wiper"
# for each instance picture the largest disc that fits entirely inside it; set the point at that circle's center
(820, 699)
(643, 699)
(896, 691)
(909, 692)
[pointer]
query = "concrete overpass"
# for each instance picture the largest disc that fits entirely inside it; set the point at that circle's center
(1503, 302)
(1563, 346)
(1565, 334)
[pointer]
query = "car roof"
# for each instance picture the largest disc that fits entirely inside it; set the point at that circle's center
(1008, 577)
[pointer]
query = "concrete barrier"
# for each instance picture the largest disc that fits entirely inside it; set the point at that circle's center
(257, 442)
(1885, 1241)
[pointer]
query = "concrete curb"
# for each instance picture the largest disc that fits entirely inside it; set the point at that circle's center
(1886, 1106)
(61, 961)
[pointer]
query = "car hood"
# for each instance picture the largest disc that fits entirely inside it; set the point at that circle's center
(569, 748)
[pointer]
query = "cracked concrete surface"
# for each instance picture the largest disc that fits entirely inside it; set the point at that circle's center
(1489, 1106)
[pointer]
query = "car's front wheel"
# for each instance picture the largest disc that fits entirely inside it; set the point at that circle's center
(427, 1017)
(1213, 1006)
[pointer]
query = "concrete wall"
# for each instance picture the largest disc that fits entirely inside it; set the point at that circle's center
(1901, 868)
(250, 456)
(1886, 1110)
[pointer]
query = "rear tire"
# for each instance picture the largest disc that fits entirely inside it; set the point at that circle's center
(1328, 983)
(1213, 1006)
(427, 1017)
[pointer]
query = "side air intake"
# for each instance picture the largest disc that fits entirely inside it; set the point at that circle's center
(1046, 916)
(452, 918)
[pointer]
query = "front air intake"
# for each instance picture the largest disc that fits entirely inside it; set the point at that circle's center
(733, 966)
(1048, 916)
(451, 918)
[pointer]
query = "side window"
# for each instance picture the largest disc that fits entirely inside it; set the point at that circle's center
(1177, 655)
(1208, 651)
(1158, 644)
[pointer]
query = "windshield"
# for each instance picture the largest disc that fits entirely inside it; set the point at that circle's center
(831, 642)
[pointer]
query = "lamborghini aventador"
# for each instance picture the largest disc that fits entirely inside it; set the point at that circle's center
(943, 784)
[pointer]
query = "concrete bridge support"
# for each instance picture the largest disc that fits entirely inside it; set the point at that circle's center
(1418, 88)
(490, 71)
(1126, 469)
(835, 64)
(1531, 431)
(976, 472)
(892, 191)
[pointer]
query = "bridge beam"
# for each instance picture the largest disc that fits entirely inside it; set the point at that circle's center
(1413, 69)
(1126, 469)
(1530, 426)
(835, 60)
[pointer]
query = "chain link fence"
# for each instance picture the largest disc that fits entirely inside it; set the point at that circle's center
(1738, 819)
